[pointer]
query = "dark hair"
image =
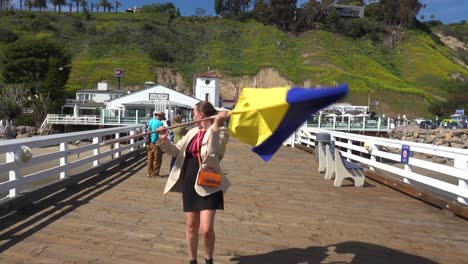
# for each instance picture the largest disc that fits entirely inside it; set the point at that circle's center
(168, 122)
(206, 108)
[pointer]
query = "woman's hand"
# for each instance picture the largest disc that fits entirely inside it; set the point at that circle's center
(163, 133)
(219, 120)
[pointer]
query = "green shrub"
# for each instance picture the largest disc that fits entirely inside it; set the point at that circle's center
(7, 35)
(25, 120)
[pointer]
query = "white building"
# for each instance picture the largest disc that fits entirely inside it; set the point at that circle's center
(144, 103)
(207, 89)
(89, 101)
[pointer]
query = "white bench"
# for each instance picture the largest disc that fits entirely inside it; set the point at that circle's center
(330, 162)
(321, 153)
(347, 169)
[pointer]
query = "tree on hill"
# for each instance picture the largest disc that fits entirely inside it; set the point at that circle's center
(41, 68)
(40, 4)
(117, 4)
(84, 5)
(400, 12)
(29, 4)
(77, 3)
(231, 7)
(279, 12)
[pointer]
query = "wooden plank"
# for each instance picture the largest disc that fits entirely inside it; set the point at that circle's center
(27, 199)
(282, 211)
(423, 195)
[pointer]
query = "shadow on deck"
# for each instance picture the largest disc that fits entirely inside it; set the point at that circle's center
(277, 212)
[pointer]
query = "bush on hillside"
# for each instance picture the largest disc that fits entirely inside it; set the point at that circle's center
(357, 28)
(25, 120)
(7, 35)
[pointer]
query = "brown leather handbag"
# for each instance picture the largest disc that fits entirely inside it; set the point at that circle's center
(206, 177)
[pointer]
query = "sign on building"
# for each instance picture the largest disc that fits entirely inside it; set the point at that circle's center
(158, 96)
(460, 111)
(119, 72)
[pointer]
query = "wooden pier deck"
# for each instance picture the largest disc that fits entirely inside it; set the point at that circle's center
(277, 212)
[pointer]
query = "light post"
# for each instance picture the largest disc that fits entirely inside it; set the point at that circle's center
(368, 100)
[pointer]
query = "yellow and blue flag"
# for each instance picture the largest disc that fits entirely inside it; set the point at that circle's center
(265, 117)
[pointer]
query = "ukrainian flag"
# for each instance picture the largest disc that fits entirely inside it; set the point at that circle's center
(265, 118)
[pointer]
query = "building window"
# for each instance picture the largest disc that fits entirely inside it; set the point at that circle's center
(207, 96)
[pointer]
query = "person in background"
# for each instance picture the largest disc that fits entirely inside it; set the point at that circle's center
(154, 152)
(202, 146)
(171, 133)
(177, 134)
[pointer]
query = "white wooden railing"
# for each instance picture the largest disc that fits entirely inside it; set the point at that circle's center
(57, 119)
(62, 158)
(449, 179)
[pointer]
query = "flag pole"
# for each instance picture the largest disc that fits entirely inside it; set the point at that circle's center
(107, 142)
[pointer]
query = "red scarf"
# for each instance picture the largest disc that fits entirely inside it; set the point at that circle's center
(196, 143)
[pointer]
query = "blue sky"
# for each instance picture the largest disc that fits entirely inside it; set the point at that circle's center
(448, 11)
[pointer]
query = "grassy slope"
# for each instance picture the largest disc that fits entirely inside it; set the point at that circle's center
(400, 79)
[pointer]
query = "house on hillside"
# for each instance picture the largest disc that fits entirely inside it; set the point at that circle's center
(132, 10)
(90, 101)
(348, 10)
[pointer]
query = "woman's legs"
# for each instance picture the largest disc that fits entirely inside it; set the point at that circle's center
(192, 225)
(207, 230)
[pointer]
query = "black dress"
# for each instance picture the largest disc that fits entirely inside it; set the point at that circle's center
(191, 200)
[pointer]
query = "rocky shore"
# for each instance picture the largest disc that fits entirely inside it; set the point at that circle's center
(17, 132)
(457, 138)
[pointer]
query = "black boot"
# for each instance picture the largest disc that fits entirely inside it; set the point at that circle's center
(208, 261)
(193, 261)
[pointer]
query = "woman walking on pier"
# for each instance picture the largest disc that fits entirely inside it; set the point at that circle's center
(202, 146)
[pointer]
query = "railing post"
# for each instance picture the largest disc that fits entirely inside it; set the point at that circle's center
(10, 158)
(96, 141)
(372, 157)
(63, 160)
(136, 117)
(117, 145)
(408, 169)
(462, 184)
(349, 150)
(378, 123)
(132, 141)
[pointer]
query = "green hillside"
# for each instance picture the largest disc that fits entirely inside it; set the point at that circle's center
(404, 80)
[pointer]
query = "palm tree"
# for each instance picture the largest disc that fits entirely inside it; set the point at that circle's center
(29, 4)
(110, 6)
(54, 3)
(77, 2)
(104, 4)
(84, 5)
(61, 3)
(40, 4)
(117, 5)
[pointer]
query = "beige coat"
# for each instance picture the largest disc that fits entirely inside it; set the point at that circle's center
(212, 151)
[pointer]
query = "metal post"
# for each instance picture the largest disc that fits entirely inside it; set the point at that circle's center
(10, 158)
(132, 141)
(117, 145)
(63, 160)
(462, 183)
(96, 141)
